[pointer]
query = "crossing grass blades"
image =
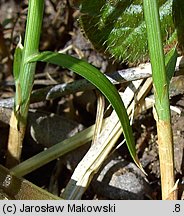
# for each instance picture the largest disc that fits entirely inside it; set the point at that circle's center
(151, 16)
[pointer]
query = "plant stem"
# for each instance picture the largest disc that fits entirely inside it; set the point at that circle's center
(161, 91)
(25, 82)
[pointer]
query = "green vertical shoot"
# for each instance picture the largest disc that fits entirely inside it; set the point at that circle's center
(160, 83)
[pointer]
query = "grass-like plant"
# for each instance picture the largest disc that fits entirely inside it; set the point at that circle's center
(24, 69)
(24, 77)
(28, 54)
(161, 92)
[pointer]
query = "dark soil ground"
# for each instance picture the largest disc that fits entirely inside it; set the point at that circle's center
(61, 31)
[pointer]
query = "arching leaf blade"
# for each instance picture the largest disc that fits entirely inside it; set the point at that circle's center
(93, 75)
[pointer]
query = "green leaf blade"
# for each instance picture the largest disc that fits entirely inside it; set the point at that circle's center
(117, 27)
(170, 62)
(101, 82)
(17, 60)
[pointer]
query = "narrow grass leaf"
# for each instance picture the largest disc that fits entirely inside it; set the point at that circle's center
(101, 82)
(17, 60)
(170, 62)
(16, 72)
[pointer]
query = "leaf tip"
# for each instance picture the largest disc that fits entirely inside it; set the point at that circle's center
(136, 160)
